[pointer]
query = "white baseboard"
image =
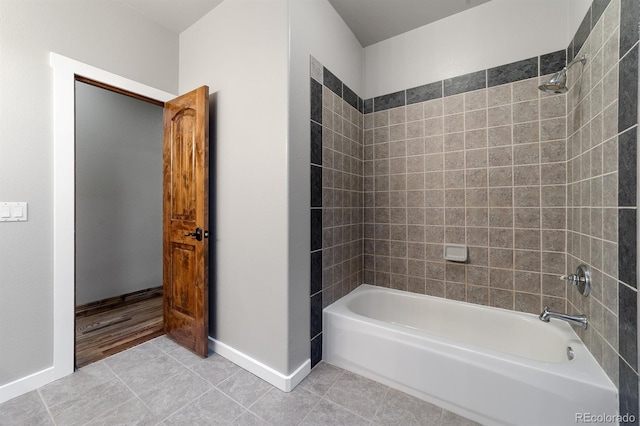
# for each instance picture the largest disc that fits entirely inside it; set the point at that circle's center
(266, 373)
(27, 384)
(285, 383)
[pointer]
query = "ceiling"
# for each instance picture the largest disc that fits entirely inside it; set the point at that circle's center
(375, 20)
(175, 15)
(370, 20)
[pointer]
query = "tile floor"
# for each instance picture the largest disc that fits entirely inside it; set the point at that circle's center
(159, 382)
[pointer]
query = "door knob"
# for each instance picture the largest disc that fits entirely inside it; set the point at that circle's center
(197, 234)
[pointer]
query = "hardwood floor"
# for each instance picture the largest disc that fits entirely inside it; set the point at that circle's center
(106, 330)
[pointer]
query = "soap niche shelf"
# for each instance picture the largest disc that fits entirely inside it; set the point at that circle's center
(455, 252)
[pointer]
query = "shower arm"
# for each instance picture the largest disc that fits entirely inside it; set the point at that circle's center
(582, 59)
(558, 82)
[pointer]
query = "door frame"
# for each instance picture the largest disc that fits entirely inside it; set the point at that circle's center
(64, 73)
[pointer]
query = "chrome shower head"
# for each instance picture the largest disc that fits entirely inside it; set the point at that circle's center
(558, 82)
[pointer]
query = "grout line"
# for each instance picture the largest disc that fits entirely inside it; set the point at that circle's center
(312, 408)
(341, 406)
(245, 411)
(46, 406)
(635, 370)
(102, 414)
(187, 404)
(229, 396)
(379, 407)
(158, 384)
(256, 415)
(127, 386)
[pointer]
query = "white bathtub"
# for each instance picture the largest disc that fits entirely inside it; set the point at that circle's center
(491, 365)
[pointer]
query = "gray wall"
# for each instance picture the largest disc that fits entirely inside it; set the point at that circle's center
(108, 35)
(250, 118)
(118, 194)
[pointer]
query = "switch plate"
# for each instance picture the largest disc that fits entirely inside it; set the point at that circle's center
(13, 211)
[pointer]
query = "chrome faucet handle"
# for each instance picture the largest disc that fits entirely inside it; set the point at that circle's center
(574, 278)
(581, 279)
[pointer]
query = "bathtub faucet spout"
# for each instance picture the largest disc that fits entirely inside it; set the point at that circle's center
(577, 320)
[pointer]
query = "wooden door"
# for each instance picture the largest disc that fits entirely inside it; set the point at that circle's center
(186, 219)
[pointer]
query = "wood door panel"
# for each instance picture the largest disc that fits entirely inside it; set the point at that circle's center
(183, 279)
(185, 207)
(183, 163)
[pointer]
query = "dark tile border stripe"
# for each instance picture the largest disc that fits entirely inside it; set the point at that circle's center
(316, 272)
(392, 100)
(597, 9)
(628, 324)
(349, 96)
(332, 82)
(339, 88)
(628, 90)
(368, 106)
(553, 62)
(581, 35)
(509, 73)
(315, 326)
(316, 183)
(424, 93)
(465, 83)
(627, 168)
(316, 143)
(515, 71)
(627, 196)
(316, 350)
(316, 186)
(629, 18)
(316, 101)
(627, 247)
(628, 390)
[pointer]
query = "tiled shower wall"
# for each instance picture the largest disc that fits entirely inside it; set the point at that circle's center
(602, 187)
(592, 214)
(485, 168)
(336, 195)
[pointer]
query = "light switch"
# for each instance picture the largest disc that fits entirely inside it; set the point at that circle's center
(13, 211)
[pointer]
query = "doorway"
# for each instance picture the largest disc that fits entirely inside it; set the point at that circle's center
(65, 71)
(118, 220)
